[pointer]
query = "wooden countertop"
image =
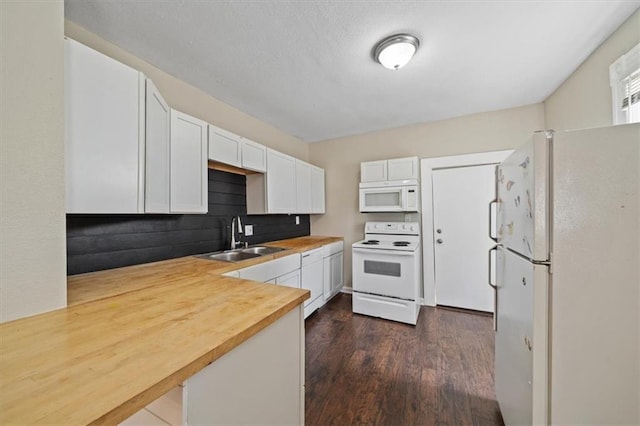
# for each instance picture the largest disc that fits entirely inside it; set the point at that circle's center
(98, 285)
(131, 334)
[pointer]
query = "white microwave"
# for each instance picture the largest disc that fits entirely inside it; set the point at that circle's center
(389, 196)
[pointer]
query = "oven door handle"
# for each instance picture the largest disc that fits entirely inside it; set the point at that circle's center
(383, 252)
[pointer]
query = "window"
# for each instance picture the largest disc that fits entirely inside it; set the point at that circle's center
(624, 75)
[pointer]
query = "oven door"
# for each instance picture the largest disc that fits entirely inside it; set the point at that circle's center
(385, 272)
(386, 199)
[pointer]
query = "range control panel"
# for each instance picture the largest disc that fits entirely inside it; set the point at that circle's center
(400, 228)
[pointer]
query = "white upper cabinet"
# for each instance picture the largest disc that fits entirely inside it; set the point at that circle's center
(309, 188)
(104, 133)
(254, 156)
(189, 191)
(275, 191)
(224, 146)
(281, 183)
(157, 151)
(228, 148)
(373, 171)
(394, 169)
(403, 168)
(288, 186)
(317, 190)
(303, 187)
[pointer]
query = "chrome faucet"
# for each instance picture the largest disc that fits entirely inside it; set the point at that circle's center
(236, 243)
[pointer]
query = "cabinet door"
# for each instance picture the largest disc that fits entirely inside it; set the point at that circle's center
(312, 280)
(292, 279)
(225, 147)
(337, 276)
(402, 168)
(303, 187)
(373, 171)
(254, 156)
(317, 190)
(188, 164)
(157, 151)
(104, 150)
(281, 183)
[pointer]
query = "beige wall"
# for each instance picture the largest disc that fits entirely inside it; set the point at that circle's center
(584, 99)
(191, 100)
(490, 131)
(32, 219)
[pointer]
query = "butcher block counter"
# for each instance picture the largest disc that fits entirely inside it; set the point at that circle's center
(129, 335)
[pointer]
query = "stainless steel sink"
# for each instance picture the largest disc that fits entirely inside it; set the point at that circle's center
(241, 254)
(262, 250)
(230, 256)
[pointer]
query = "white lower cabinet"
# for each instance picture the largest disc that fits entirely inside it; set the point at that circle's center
(312, 278)
(259, 382)
(333, 276)
(292, 279)
(270, 271)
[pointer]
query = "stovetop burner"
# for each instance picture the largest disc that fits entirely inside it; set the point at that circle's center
(371, 242)
(401, 243)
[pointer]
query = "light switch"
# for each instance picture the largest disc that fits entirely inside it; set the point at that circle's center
(297, 220)
(248, 230)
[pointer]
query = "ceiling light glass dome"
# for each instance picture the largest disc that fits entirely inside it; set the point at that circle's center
(396, 51)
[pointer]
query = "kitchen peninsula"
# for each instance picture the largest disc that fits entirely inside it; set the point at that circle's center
(130, 335)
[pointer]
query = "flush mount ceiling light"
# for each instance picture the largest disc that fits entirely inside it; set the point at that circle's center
(396, 51)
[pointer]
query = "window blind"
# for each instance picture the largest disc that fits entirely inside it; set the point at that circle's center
(624, 75)
(631, 90)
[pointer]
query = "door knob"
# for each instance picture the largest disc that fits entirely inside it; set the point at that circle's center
(439, 241)
(439, 231)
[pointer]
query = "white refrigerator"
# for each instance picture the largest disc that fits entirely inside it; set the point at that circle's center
(567, 279)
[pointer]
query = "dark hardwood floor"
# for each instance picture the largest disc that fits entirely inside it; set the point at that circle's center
(367, 371)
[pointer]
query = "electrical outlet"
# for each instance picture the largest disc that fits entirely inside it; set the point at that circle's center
(248, 230)
(297, 220)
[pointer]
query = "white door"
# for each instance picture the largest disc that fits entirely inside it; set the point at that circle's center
(461, 197)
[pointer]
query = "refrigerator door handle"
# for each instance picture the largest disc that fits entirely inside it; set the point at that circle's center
(494, 248)
(495, 239)
(495, 291)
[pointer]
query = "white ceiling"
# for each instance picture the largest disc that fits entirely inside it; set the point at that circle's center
(306, 67)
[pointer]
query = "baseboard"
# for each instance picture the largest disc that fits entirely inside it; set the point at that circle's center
(347, 290)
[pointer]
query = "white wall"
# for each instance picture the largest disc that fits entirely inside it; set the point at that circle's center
(32, 208)
(489, 131)
(584, 99)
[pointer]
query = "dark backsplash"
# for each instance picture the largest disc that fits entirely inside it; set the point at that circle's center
(96, 242)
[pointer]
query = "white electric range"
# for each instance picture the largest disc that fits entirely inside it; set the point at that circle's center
(386, 271)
